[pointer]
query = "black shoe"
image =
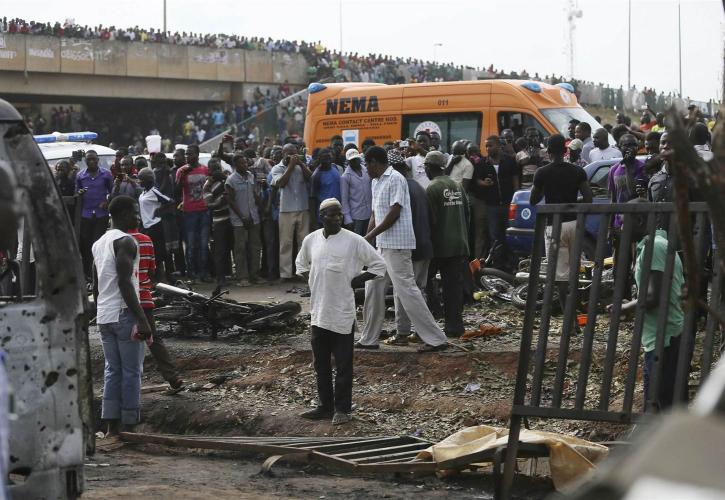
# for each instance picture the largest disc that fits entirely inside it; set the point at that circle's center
(358, 345)
(341, 418)
(318, 413)
(433, 348)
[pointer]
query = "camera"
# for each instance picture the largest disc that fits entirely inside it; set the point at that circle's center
(404, 144)
(78, 155)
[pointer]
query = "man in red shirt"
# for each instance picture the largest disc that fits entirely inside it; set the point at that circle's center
(146, 269)
(190, 181)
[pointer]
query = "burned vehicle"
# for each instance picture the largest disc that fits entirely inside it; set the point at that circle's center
(43, 322)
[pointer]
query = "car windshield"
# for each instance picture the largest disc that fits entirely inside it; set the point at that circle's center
(104, 161)
(560, 118)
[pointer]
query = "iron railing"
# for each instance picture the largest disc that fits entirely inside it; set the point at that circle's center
(539, 392)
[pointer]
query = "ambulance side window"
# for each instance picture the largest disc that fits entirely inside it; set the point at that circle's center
(452, 126)
(519, 122)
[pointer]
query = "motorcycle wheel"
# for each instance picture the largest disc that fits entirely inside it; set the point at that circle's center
(520, 295)
(280, 313)
(498, 283)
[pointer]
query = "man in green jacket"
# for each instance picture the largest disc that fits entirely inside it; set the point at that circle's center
(449, 219)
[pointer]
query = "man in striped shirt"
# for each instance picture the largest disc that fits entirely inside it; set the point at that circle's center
(146, 269)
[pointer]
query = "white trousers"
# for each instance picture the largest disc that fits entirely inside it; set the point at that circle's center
(410, 306)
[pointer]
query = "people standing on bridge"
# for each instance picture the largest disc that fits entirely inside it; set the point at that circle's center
(357, 196)
(291, 177)
(602, 150)
(449, 219)
(244, 203)
(120, 317)
(190, 181)
(93, 185)
(560, 182)
(391, 231)
(583, 132)
(332, 260)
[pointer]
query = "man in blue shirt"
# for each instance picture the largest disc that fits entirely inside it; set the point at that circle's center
(93, 186)
(325, 181)
(356, 194)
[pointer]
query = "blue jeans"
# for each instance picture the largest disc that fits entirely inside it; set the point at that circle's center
(497, 221)
(196, 227)
(122, 373)
(360, 226)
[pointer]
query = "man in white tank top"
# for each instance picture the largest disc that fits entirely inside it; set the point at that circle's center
(119, 316)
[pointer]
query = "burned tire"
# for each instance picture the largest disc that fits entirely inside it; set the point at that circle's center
(274, 315)
(520, 295)
(498, 283)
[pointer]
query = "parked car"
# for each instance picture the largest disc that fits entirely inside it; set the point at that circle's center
(56, 147)
(522, 216)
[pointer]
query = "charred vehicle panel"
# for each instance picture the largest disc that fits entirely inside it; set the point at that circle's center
(43, 324)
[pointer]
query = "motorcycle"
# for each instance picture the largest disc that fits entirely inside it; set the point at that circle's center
(186, 310)
(491, 273)
(520, 291)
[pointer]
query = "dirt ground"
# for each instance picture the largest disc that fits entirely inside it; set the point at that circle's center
(256, 385)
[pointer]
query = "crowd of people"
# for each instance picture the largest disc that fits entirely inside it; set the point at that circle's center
(263, 114)
(322, 62)
(343, 217)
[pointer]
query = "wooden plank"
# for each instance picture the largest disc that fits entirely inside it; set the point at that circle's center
(207, 444)
(376, 451)
(418, 467)
(388, 457)
(355, 445)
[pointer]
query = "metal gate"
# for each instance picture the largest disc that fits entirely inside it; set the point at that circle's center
(570, 393)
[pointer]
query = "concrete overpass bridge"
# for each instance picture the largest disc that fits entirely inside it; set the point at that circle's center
(49, 69)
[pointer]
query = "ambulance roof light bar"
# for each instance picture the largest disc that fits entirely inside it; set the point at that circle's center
(70, 137)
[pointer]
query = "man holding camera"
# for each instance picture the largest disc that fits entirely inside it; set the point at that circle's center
(93, 186)
(291, 177)
(244, 202)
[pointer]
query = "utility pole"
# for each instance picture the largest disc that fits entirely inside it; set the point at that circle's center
(679, 40)
(629, 46)
(164, 16)
(573, 14)
(435, 51)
